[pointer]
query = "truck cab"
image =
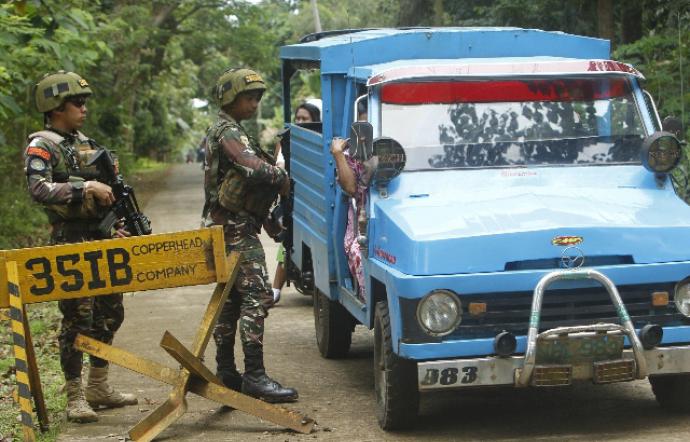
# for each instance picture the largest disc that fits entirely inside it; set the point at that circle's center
(521, 227)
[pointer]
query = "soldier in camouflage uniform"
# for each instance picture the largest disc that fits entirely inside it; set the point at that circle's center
(58, 178)
(241, 183)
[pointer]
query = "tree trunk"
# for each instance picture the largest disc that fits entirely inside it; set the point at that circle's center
(632, 21)
(605, 19)
(414, 13)
(439, 12)
(317, 19)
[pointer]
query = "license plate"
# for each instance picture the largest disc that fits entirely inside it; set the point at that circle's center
(578, 349)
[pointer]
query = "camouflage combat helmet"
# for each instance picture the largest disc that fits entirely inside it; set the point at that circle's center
(234, 81)
(52, 90)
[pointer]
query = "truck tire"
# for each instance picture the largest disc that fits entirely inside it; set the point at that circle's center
(672, 391)
(395, 378)
(334, 327)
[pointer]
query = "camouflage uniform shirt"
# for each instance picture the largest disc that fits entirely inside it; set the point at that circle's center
(56, 172)
(251, 296)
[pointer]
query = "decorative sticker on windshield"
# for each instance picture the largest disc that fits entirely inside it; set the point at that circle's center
(567, 241)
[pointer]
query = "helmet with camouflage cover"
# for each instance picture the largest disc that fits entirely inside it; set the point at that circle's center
(54, 88)
(235, 81)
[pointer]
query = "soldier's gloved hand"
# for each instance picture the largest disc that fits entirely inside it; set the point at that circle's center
(120, 231)
(276, 215)
(103, 193)
(273, 229)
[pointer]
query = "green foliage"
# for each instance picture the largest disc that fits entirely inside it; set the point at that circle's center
(21, 222)
(146, 61)
(40, 39)
(44, 324)
(663, 55)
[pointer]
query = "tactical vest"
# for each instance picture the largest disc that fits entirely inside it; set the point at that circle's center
(218, 171)
(224, 183)
(261, 196)
(70, 165)
(74, 159)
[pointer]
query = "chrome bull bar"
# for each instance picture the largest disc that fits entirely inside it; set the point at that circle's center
(626, 326)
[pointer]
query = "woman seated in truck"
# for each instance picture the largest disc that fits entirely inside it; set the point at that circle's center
(354, 177)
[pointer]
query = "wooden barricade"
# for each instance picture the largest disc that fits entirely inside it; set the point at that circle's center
(120, 265)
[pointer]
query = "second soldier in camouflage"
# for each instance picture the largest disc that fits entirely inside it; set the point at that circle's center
(241, 183)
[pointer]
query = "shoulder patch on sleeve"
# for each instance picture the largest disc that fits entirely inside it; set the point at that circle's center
(37, 165)
(37, 151)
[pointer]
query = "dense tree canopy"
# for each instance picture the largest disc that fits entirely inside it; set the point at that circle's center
(147, 60)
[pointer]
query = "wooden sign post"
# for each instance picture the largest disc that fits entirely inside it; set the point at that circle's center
(139, 263)
(117, 265)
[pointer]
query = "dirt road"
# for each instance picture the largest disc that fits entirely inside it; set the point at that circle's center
(339, 394)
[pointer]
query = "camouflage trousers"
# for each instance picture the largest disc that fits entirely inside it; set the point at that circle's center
(98, 317)
(247, 304)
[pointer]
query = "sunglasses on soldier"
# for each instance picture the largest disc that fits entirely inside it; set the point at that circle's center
(77, 101)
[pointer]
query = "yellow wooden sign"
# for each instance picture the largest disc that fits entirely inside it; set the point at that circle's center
(117, 265)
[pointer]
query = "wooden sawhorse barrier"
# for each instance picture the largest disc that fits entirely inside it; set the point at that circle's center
(130, 264)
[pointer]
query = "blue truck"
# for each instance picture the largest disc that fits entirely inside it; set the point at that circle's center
(521, 228)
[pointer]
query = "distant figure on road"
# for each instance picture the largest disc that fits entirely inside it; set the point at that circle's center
(75, 203)
(241, 184)
(201, 151)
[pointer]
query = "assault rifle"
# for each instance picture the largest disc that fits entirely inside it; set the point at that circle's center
(125, 209)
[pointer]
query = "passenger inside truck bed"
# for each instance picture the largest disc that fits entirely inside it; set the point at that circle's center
(307, 112)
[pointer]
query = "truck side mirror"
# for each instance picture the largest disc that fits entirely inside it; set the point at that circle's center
(361, 140)
(661, 152)
(390, 159)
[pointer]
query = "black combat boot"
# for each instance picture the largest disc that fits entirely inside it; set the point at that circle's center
(256, 382)
(231, 379)
(227, 371)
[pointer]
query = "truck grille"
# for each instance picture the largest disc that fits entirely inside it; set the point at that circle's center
(561, 307)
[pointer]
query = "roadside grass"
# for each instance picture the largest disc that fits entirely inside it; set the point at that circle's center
(44, 322)
(44, 318)
(145, 165)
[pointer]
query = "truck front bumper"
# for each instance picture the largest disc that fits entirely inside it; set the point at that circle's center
(601, 365)
(495, 370)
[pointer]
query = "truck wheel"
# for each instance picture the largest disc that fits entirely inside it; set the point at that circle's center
(395, 378)
(334, 327)
(672, 391)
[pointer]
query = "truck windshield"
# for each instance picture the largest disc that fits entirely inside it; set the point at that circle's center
(470, 124)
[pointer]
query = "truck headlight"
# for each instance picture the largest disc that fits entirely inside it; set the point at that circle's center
(682, 297)
(439, 312)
